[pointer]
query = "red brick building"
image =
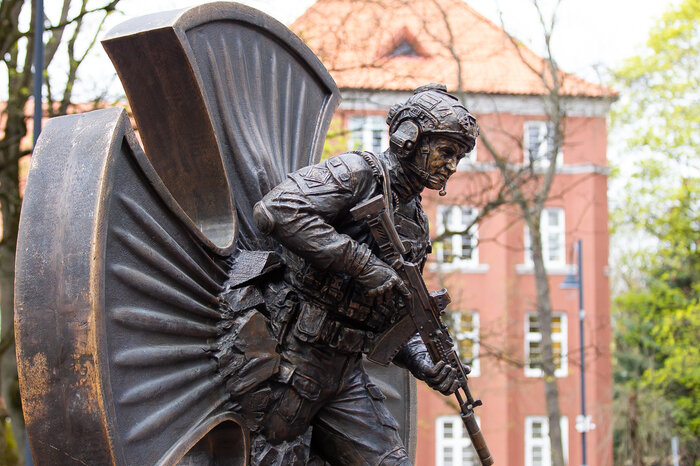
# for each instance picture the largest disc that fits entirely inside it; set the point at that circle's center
(378, 52)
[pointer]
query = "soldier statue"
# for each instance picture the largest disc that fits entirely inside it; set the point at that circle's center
(338, 294)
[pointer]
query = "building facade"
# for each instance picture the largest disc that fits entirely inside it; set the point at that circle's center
(378, 52)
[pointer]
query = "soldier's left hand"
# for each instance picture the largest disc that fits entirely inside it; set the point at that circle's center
(441, 376)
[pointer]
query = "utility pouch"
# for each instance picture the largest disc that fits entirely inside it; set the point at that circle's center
(306, 386)
(310, 322)
(383, 415)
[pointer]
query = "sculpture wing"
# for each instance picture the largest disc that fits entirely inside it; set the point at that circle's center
(117, 311)
(223, 83)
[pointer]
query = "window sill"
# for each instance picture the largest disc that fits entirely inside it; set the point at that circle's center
(560, 269)
(537, 374)
(461, 268)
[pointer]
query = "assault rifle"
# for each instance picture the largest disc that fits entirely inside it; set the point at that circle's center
(423, 316)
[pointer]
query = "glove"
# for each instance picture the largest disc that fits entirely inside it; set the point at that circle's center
(381, 281)
(441, 376)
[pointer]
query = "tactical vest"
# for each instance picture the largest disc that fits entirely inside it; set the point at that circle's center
(334, 310)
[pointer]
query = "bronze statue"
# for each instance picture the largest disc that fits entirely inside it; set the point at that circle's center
(161, 318)
(338, 295)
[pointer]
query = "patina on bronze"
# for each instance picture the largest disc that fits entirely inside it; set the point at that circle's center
(160, 319)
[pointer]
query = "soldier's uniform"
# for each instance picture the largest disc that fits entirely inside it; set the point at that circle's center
(321, 311)
(324, 319)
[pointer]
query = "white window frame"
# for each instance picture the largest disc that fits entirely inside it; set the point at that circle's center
(560, 337)
(542, 440)
(467, 161)
(544, 143)
(460, 216)
(472, 335)
(459, 442)
(549, 231)
(362, 130)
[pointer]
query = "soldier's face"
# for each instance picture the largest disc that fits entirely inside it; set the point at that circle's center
(443, 156)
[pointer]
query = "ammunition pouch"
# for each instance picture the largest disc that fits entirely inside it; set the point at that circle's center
(341, 297)
(334, 311)
(316, 324)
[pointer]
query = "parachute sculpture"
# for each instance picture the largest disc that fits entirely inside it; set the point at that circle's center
(126, 352)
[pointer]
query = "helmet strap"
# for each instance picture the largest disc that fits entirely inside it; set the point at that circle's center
(418, 164)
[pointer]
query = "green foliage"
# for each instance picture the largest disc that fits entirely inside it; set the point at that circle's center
(660, 98)
(657, 327)
(8, 446)
(656, 221)
(336, 139)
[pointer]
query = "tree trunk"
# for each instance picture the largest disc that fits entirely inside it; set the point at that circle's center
(10, 203)
(9, 207)
(635, 445)
(544, 318)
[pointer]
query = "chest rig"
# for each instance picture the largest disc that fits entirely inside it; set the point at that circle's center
(334, 309)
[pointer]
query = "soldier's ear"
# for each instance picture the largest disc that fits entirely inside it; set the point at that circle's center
(404, 139)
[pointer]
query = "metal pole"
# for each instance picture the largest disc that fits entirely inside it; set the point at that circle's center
(581, 316)
(38, 66)
(674, 450)
(38, 115)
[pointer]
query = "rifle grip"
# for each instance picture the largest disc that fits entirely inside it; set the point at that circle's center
(477, 438)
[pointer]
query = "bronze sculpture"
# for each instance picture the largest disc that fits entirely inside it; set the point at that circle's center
(340, 295)
(165, 326)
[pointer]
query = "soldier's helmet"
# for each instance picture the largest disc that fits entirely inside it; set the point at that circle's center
(430, 111)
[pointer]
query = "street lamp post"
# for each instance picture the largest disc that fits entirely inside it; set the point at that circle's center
(38, 65)
(583, 422)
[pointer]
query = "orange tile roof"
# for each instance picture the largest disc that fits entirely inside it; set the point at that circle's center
(354, 39)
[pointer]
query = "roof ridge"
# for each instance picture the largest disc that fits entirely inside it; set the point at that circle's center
(342, 32)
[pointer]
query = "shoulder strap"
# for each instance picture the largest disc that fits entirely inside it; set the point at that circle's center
(382, 173)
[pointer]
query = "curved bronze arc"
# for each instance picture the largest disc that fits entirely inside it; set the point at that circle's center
(176, 130)
(58, 292)
(221, 11)
(219, 440)
(179, 118)
(112, 339)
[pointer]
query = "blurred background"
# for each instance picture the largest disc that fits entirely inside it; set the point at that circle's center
(568, 238)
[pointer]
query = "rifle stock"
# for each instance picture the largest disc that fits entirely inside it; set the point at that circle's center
(424, 310)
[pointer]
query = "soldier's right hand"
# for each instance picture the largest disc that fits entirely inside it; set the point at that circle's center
(381, 281)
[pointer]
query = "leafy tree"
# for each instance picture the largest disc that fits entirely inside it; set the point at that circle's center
(657, 363)
(16, 54)
(657, 359)
(527, 188)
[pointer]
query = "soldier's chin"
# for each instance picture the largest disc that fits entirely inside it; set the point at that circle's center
(434, 182)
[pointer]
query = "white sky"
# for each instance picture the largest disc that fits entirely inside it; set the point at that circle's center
(591, 37)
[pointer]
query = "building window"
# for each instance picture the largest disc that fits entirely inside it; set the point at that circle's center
(465, 326)
(368, 133)
(453, 446)
(467, 161)
(537, 446)
(456, 244)
(538, 143)
(533, 345)
(553, 233)
(404, 49)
